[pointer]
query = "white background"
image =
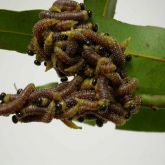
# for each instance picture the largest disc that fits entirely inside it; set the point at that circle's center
(37, 143)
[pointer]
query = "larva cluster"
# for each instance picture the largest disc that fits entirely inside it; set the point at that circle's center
(66, 40)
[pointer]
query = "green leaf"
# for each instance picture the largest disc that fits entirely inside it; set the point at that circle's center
(106, 7)
(16, 29)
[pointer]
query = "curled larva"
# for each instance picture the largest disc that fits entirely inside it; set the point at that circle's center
(71, 48)
(115, 79)
(74, 15)
(127, 88)
(109, 43)
(90, 55)
(19, 103)
(65, 5)
(41, 26)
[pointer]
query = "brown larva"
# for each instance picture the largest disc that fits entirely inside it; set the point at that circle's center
(27, 119)
(74, 15)
(118, 120)
(80, 38)
(19, 103)
(65, 5)
(73, 86)
(42, 26)
(102, 88)
(117, 109)
(49, 115)
(31, 111)
(84, 94)
(127, 88)
(9, 98)
(71, 48)
(65, 25)
(89, 26)
(41, 93)
(90, 55)
(115, 78)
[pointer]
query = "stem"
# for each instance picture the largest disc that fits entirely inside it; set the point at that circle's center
(153, 101)
(109, 8)
(145, 56)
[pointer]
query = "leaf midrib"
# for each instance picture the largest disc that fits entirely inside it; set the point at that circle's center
(15, 32)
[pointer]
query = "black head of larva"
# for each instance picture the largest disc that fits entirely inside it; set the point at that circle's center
(132, 108)
(128, 115)
(19, 91)
(64, 37)
(103, 108)
(95, 27)
(30, 52)
(94, 81)
(19, 114)
(89, 13)
(36, 62)
(2, 95)
(39, 102)
(128, 58)
(102, 50)
(87, 42)
(106, 34)
(99, 122)
(14, 119)
(63, 79)
(58, 108)
(80, 119)
(82, 6)
(45, 63)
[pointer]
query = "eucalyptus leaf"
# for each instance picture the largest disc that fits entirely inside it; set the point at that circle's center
(105, 8)
(16, 29)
